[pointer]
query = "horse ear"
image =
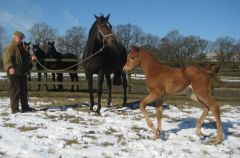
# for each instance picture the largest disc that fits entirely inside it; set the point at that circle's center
(107, 17)
(135, 48)
(96, 17)
(53, 42)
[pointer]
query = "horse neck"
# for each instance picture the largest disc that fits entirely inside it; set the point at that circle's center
(148, 63)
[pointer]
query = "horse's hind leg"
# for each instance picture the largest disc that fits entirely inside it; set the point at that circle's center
(109, 85)
(124, 88)
(54, 79)
(76, 78)
(72, 80)
(204, 97)
(159, 112)
(39, 80)
(89, 77)
(150, 98)
(100, 83)
(201, 120)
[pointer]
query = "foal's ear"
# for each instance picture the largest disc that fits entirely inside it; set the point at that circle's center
(135, 48)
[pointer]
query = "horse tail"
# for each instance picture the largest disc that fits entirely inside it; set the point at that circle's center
(117, 78)
(213, 70)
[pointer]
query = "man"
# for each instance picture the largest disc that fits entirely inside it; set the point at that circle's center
(16, 64)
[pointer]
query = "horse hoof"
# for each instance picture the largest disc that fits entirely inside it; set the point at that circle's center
(218, 140)
(199, 133)
(155, 137)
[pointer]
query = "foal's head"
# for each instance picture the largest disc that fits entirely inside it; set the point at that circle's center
(133, 59)
(104, 30)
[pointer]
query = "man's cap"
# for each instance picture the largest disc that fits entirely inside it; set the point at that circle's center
(19, 33)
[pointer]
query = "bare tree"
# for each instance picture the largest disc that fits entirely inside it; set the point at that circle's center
(129, 34)
(41, 33)
(2, 32)
(74, 41)
(224, 48)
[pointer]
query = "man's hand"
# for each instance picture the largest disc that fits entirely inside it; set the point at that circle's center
(11, 71)
(34, 58)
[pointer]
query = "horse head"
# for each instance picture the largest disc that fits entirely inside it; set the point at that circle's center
(26, 46)
(133, 59)
(50, 49)
(103, 30)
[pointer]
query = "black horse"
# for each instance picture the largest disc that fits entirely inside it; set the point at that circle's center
(41, 55)
(110, 60)
(53, 53)
(26, 47)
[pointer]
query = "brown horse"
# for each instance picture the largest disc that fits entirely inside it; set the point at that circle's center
(164, 80)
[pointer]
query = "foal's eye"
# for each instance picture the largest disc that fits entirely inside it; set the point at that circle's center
(133, 58)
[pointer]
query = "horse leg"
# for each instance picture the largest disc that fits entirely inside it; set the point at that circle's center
(39, 80)
(76, 78)
(124, 88)
(159, 111)
(46, 86)
(204, 97)
(89, 77)
(100, 83)
(54, 79)
(60, 79)
(150, 98)
(201, 120)
(109, 85)
(72, 80)
(29, 80)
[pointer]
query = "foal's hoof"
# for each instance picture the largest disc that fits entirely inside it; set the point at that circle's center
(218, 140)
(155, 137)
(199, 133)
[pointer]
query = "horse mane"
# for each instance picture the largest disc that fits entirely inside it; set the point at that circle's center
(148, 54)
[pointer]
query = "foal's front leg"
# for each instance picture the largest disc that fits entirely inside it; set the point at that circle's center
(150, 98)
(159, 111)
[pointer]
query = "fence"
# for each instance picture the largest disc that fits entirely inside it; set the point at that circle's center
(136, 78)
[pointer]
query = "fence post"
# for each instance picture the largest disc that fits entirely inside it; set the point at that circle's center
(129, 83)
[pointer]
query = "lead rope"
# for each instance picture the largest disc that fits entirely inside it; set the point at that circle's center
(97, 52)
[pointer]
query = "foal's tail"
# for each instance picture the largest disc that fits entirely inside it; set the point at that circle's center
(213, 70)
(117, 78)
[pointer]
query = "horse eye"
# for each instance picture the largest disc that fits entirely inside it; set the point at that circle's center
(133, 58)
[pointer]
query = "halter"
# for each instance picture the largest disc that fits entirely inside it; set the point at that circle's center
(102, 34)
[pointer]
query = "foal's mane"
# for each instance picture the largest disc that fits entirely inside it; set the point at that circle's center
(149, 55)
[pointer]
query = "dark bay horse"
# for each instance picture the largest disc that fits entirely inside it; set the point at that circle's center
(110, 60)
(26, 47)
(163, 80)
(53, 53)
(41, 55)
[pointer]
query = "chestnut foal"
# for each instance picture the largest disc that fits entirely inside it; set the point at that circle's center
(164, 80)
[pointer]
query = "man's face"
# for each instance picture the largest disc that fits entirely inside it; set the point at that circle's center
(17, 39)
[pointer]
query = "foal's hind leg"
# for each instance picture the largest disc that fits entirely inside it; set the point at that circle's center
(150, 98)
(201, 120)
(212, 105)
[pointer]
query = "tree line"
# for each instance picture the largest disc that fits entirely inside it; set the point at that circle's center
(172, 47)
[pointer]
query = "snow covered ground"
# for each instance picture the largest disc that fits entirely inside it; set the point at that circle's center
(117, 132)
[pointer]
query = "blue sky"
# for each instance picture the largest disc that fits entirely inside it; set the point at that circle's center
(208, 19)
